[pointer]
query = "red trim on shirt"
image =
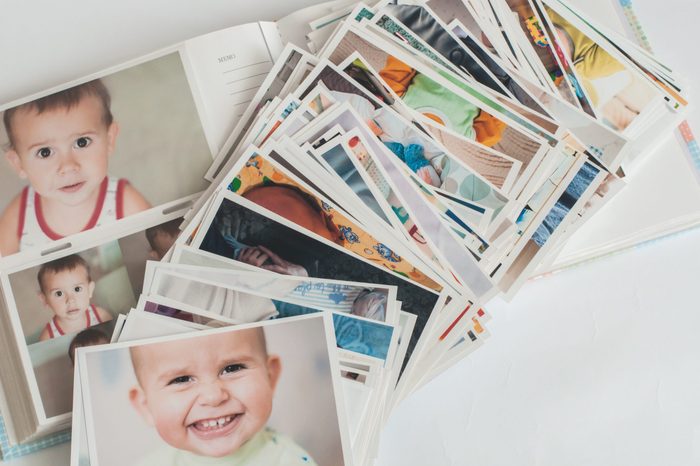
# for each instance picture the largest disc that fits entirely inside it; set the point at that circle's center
(87, 321)
(91, 223)
(96, 314)
(121, 184)
(58, 327)
(22, 208)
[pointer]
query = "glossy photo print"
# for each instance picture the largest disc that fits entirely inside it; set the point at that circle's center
(70, 157)
(262, 394)
(71, 301)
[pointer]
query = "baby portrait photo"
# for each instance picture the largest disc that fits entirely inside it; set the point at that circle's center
(70, 156)
(72, 301)
(261, 394)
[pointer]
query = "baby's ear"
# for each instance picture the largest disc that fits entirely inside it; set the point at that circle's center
(274, 369)
(138, 400)
(112, 133)
(91, 288)
(42, 298)
(15, 162)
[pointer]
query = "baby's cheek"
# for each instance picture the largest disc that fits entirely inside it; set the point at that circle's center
(263, 404)
(171, 429)
(170, 414)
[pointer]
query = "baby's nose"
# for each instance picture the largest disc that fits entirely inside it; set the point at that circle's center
(213, 393)
(68, 162)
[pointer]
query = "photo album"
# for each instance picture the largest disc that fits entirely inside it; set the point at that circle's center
(250, 246)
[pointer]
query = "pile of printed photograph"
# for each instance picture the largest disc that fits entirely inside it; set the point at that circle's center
(254, 244)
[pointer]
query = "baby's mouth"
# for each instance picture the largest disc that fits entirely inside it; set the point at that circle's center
(215, 427)
(73, 311)
(71, 188)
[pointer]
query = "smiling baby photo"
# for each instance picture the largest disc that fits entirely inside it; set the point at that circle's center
(261, 394)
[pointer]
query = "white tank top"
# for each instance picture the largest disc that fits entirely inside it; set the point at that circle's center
(91, 318)
(33, 230)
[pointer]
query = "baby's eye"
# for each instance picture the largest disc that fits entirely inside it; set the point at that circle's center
(78, 289)
(231, 368)
(83, 141)
(44, 152)
(180, 379)
(58, 294)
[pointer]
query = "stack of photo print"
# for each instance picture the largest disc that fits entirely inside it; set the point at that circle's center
(252, 245)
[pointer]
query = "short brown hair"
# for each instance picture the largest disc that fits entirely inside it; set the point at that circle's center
(59, 265)
(171, 227)
(88, 337)
(65, 99)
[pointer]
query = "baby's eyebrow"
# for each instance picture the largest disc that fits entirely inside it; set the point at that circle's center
(88, 132)
(39, 144)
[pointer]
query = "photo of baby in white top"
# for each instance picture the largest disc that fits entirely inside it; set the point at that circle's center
(264, 394)
(212, 397)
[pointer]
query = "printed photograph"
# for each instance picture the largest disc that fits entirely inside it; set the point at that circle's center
(70, 156)
(72, 301)
(258, 395)
(236, 306)
(617, 94)
(202, 288)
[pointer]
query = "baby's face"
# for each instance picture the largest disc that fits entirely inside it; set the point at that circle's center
(208, 395)
(68, 293)
(63, 152)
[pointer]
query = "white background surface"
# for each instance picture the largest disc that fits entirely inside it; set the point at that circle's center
(596, 365)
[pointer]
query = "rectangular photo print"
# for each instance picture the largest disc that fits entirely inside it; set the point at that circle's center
(262, 394)
(87, 155)
(71, 300)
(236, 305)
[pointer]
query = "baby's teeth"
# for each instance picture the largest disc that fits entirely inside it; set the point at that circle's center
(215, 422)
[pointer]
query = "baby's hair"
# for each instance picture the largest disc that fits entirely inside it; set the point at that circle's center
(171, 228)
(59, 265)
(88, 337)
(65, 99)
(308, 198)
(135, 352)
